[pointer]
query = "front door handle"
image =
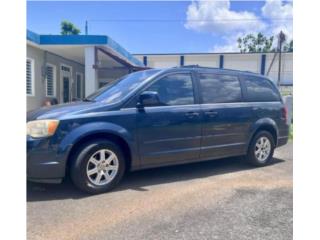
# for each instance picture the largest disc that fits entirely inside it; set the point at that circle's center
(192, 114)
(211, 113)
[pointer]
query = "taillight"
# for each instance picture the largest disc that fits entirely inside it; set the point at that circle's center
(284, 113)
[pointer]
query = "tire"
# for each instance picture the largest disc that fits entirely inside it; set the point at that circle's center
(257, 142)
(92, 170)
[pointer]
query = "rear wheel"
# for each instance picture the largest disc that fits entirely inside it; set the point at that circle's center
(97, 166)
(261, 149)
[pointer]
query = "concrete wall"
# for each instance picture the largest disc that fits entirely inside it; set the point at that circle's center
(239, 61)
(161, 61)
(244, 62)
(202, 60)
(40, 58)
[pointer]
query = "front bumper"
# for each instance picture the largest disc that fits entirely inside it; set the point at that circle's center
(44, 163)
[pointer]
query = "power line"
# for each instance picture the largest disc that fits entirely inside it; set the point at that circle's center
(189, 20)
(183, 20)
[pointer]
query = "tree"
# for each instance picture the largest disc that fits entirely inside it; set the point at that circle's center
(255, 43)
(288, 47)
(68, 28)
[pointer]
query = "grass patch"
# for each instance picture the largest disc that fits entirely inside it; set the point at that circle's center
(291, 132)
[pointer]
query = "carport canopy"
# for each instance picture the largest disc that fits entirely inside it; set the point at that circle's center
(101, 56)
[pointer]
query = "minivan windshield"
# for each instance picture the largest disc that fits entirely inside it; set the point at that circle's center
(116, 90)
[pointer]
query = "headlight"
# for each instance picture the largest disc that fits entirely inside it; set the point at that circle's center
(42, 128)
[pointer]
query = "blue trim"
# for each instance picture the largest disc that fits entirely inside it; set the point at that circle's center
(181, 60)
(145, 60)
(82, 40)
(115, 46)
(263, 64)
(31, 36)
(67, 39)
(72, 39)
(221, 61)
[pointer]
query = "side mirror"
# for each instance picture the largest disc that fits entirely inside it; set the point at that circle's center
(147, 99)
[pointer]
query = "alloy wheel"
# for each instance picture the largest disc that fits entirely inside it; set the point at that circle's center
(102, 167)
(262, 149)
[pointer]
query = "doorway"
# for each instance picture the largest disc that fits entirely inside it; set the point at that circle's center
(65, 76)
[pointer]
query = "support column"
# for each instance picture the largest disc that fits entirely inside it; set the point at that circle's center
(145, 60)
(221, 61)
(181, 60)
(263, 64)
(91, 81)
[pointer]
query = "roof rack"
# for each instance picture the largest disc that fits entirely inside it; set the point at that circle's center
(226, 69)
(191, 66)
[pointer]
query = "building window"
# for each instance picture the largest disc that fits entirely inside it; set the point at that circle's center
(64, 68)
(30, 77)
(79, 85)
(50, 80)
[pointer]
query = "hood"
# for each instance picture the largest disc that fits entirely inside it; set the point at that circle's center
(63, 110)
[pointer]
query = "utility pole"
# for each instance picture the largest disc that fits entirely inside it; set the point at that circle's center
(281, 39)
(86, 28)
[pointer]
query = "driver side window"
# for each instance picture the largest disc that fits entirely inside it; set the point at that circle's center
(174, 89)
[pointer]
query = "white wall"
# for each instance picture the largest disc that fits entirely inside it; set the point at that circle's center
(161, 61)
(244, 62)
(238, 61)
(209, 60)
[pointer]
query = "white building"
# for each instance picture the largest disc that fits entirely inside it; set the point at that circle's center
(263, 63)
(71, 67)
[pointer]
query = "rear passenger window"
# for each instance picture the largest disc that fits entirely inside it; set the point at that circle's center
(219, 88)
(260, 90)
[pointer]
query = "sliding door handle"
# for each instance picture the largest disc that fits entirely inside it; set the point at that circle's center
(210, 113)
(192, 114)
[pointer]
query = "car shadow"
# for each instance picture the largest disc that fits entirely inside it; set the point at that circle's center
(139, 180)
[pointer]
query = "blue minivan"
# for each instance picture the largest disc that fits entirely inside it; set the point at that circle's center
(152, 118)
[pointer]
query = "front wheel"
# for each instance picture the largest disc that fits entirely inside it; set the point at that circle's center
(261, 149)
(98, 166)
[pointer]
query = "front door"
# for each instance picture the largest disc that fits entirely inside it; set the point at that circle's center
(226, 118)
(66, 89)
(171, 132)
(65, 73)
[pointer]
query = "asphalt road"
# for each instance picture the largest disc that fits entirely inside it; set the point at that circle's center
(223, 199)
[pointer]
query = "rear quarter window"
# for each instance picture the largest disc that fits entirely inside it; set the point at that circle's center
(260, 90)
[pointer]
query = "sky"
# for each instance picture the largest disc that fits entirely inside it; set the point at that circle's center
(163, 26)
